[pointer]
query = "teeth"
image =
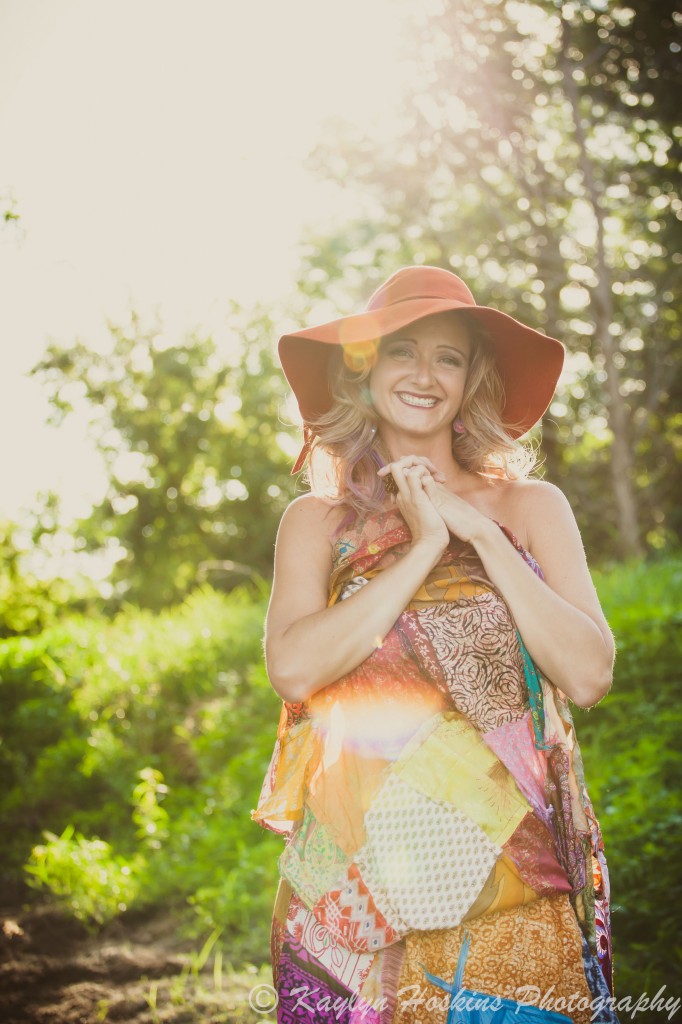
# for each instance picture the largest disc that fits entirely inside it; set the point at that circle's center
(413, 400)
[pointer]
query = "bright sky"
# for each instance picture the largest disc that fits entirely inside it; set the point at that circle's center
(154, 149)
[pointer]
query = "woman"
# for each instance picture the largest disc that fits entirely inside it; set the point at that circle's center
(431, 615)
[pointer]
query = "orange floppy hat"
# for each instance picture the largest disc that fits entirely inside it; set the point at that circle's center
(529, 362)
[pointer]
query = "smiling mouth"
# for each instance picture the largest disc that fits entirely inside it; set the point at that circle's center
(425, 402)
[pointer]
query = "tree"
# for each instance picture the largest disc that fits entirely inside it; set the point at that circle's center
(626, 61)
(504, 174)
(29, 604)
(192, 442)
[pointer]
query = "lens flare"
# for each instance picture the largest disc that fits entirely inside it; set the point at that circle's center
(373, 726)
(360, 355)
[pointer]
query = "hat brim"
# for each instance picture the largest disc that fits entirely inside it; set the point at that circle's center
(529, 362)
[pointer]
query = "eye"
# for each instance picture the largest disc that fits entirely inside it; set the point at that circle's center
(452, 360)
(401, 351)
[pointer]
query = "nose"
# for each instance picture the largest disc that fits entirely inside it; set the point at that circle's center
(423, 371)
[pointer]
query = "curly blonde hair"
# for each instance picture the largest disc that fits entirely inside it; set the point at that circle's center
(346, 450)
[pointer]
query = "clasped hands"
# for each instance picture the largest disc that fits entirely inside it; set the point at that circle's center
(431, 511)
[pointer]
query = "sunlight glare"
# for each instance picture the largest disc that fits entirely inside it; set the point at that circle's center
(156, 152)
(372, 726)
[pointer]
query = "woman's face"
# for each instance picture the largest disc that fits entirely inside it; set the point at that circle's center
(417, 382)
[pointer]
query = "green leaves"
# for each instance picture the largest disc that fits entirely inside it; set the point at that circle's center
(151, 819)
(141, 744)
(188, 433)
(633, 768)
(538, 156)
(84, 876)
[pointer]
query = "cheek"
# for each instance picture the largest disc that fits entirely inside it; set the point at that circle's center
(376, 383)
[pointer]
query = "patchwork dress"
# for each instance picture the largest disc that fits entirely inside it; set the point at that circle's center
(435, 815)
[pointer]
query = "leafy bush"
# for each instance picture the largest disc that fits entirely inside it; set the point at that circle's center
(28, 603)
(631, 747)
(141, 743)
(84, 874)
(150, 734)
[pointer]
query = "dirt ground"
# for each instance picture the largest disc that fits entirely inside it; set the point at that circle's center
(53, 972)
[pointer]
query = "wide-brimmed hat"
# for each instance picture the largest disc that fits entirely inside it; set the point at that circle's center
(529, 362)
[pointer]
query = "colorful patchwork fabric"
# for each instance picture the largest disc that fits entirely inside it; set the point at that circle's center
(307, 992)
(438, 786)
(349, 968)
(535, 946)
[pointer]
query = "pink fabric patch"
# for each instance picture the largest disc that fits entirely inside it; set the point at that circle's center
(514, 744)
(532, 850)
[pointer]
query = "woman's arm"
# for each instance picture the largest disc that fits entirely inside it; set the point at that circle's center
(307, 644)
(560, 619)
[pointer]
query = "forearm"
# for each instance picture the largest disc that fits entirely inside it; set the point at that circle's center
(565, 643)
(320, 648)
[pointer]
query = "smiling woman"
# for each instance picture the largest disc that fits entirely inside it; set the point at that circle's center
(419, 377)
(428, 623)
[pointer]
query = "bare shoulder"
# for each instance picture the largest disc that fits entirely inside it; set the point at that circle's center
(519, 504)
(303, 562)
(314, 517)
(531, 509)
(531, 490)
(542, 503)
(541, 517)
(551, 529)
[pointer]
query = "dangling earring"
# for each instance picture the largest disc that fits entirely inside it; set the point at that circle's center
(458, 426)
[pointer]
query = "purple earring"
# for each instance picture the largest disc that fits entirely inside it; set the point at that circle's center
(458, 426)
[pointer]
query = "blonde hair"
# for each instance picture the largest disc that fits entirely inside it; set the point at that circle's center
(346, 450)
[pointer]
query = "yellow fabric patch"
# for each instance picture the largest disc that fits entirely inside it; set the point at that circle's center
(503, 890)
(340, 796)
(297, 757)
(447, 583)
(454, 765)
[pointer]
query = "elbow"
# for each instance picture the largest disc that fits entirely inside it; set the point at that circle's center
(290, 684)
(593, 689)
(597, 681)
(283, 685)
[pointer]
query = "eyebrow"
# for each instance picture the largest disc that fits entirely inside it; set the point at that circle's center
(406, 337)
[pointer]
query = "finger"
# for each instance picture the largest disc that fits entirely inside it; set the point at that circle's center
(429, 487)
(422, 472)
(414, 460)
(425, 482)
(414, 476)
(436, 473)
(407, 460)
(407, 482)
(419, 474)
(422, 460)
(390, 466)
